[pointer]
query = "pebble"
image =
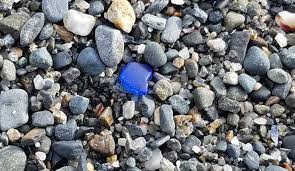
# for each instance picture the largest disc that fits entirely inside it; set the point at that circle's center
(78, 104)
(110, 45)
(159, 142)
(61, 60)
(233, 151)
(138, 8)
(217, 45)
(12, 158)
(278, 75)
(154, 54)
(282, 90)
(46, 32)
(275, 61)
(12, 106)
(193, 38)
(66, 132)
(122, 15)
(54, 11)
(78, 22)
(240, 40)
(277, 110)
(131, 162)
(258, 147)
(172, 31)
(157, 6)
(215, 17)
(203, 97)
(173, 144)
(103, 144)
(154, 22)
(260, 121)
(106, 117)
(33, 136)
(137, 144)
(71, 75)
(218, 87)
(144, 154)
(146, 105)
(8, 71)
(90, 62)
(261, 95)
(200, 14)
(290, 101)
(13, 135)
(256, 61)
(179, 104)
(274, 168)
(237, 93)
(233, 119)
(252, 160)
(166, 165)
(231, 78)
(163, 89)
(154, 162)
(191, 68)
(41, 58)
(288, 57)
(177, 2)
(42, 119)
(221, 146)
(96, 8)
(12, 24)
(128, 109)
(226, 104)
(281, 40)
(189, 143)
(31, 29)
(68, 149)
(233, 20)
(166, 119)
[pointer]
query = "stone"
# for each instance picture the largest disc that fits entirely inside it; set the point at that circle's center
(8, 71)
(13, 135)
(189, 165)
(260, 95)
(252, 160)
(63, 33)
(106, 117)
(122, 15)
(247, 82)
(239, 44)
(231, 78)
(96, 8)
(237, 93)
(233, 151)
(138, 8)
(110, 45)
(189, 142)
(172, 31)
(146, 106)
(154, 162)
(193, 38)
(163, 89)
(131, 162)
(61, 60)
(215, 16)
(137, 144)
(68, 149)
(258, 147)
(157, 6)
(12, 158)
(233, 119)
(203, 97)
(12, 24)
(154, 54)
(218, 87)
(179, 104)
(191, 68)
(277, 110)
(78, 22)
(281, 40)
(200, 14)
(31, 29)
(70, 75)
(221, 146)
(159, 142)
(66, 132)
(154, 22)
(128, 109)
(90, 62)
(78, 104)
(171, 54)
(278, 75)
(135, 82)
(55, 11)
(282, 90)
(167, 124)
(227, 104)
(173, 144)
(290, 101)
(233, 20)
(14, 109)
(42, 119)
(46, 32)
(256, 61)
(41, 58)
(274, 168)
(6, 5)
(104, 144)
(33, 136)
(288, 57)
(217, 45)
(275, 61)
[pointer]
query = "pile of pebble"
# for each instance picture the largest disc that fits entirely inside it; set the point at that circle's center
(169, 85)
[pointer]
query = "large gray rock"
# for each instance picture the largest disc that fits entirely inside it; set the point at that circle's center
(31, 29)
(172, 31)
(14, 23)
(8, 71)
(256, 61)
(12, 158)
(14, 109)
(110, 45)
(55, 10)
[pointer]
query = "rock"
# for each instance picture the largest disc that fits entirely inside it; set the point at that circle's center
(96, 8)
(239, 44)
(260, 95)
(233, 151)
(163, 89)
(12, 158)
(281, 40)
(106, 117)
(46, 32)
(221, 146)
(166, 119)
(217, 45)
(110, 45)
(154, 162)
(159, 142)
(63, 33)
(226, 104)
(104, 144)
(218, 87)
(146, 105)
(41, 58)
(288, 57)
(31, 29)
(203, 97)
(282, 90)
(275, 61)
(154, 22)
(193, 38)
(89, 62)
(290, 101)
(189, 143)
(157, 6)
(237, 93)
(8, 71)
(179, 104)
(189, 165)
(128, 109)
(42, 119)
(215, 17)
(173, 144)
(33, 136)
(13, 24)
(144, 154)
(252, 160)
(61, 60)
(68, 149)
(258, 147)
(6, 5)
(277, 110)
(71, 74)
(154, 54)
(278, 75)
(231, 78)
(131, 162)
(247, 82)
(172, 31)
(13, 135)
(45, 144)
(78, 22)
(233, 20)
(14, 109)
(274, 168)
(122, 15)
(55, 11)
(200, 14)
(66, 132)
(191, 68)
(78, 104)
(256, 61)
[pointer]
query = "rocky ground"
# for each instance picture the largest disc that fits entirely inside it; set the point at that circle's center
(216, 91)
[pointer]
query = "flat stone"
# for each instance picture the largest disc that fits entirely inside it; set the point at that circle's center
(288, 57)
(282, 90)
(274, 168)
(96, 8)
(46, 32)
(68, 149)
(42, 119)
(237, 93)
(110, 45)
(55, 10)
(172, 31)
(218, 86)
(239, 43)
(275, 61)
(200, 14)
(191, 68)
(157, 6)
(71, 74)
(33, 136)
(252, 160)
(31, 29)
(189, 143)
(226, 104)
(154, 22)
(89, 62)
(278, 75)
(14, 109)
(260, 95)
(128, 109)
(193, 38)
(203, 97)
(122, 15)
(78, 22)
(166, 119)
(14, 23)
(154, 54)
(61, 60)
(41, 58)
(233, 20)
(247, 82)
(12, 158)
(256, 61)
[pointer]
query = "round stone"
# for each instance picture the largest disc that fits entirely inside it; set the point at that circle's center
(8, 71)
(55, 10)
(278, 75)
(203, 97)
(12, 158)
(154, 54)
(252, 160)
(42, 119)
(256, 61)
(231, 78)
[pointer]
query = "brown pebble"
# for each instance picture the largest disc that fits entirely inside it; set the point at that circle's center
(229, 135)
(170, 11)
(99, 109)
(178, 62)
(106, 117)
(33, 136)
(104, 144)
(63, 33)
(182, 119)
(272, 100)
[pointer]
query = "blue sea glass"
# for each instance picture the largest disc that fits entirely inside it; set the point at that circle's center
(134, 78)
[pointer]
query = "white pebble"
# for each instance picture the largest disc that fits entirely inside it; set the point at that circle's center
(38, 82)
(41, 155)
(37, 144)
(217, 45)
(235, 141)
(281, 40)
(231, 78)
(247, 147)
(154, 162)
(140, 48)
(196, 149)
(184, 53)
(177, 2)
(260, 121)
